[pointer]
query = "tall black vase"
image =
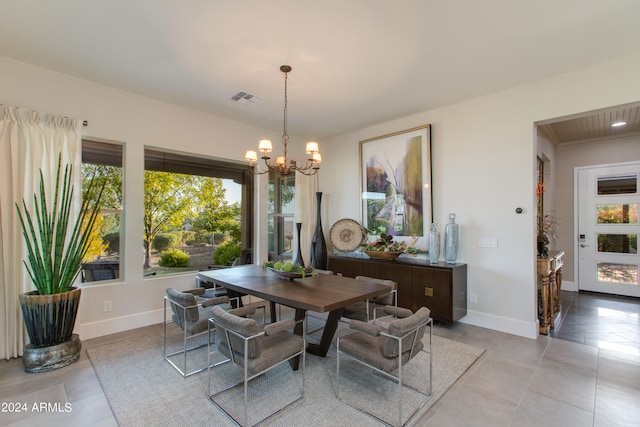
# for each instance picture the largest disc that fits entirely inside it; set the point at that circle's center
(298, 260)
(318, 245)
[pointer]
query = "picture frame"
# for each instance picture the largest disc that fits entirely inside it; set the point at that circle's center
(395, 184)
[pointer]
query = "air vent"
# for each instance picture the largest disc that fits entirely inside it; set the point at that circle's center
(245, 98)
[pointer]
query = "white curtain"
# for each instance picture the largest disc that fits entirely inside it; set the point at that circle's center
(305, 213)
(29, 142)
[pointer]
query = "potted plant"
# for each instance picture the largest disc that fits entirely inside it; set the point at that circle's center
(55, 250)
(547, 224)
(384, 247)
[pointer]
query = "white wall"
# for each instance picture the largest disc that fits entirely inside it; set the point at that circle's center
(135, 121)
(483, 168)
(570, 157)
(483, 154)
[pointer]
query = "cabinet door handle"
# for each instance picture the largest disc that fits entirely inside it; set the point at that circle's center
(428, 292)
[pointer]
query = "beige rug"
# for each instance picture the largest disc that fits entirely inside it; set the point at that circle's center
(144, 390)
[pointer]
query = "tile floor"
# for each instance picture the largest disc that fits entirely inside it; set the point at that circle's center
(586, 373)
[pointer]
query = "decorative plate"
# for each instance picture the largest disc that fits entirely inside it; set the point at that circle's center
(347, 235)
(383, 255)
(286, 274)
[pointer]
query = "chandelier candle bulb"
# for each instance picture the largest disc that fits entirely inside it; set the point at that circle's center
(312, 147)
(265, 146)
(251, 155)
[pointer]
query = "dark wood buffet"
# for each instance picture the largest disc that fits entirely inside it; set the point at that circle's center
(440, 287)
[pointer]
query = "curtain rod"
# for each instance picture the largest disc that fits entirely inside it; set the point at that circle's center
(85, 123)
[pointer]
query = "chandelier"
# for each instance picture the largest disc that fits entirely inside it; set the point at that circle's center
(283, 165)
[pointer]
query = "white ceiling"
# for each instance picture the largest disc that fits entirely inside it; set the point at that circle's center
(355, 63)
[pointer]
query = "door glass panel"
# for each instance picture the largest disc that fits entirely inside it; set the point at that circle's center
(618, 273)
(618, 185)
(618, 214)
(618, 243)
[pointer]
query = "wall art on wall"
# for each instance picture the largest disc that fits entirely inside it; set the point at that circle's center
(395, 172)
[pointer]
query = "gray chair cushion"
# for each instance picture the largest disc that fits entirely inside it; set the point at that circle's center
(375, 350)
(400, 327)
(274, 348)
(358, 310)
(386, 299)
(184, 299)
(245, 326)
(263, 351)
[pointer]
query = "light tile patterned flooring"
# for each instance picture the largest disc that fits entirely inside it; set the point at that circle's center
(590, 377)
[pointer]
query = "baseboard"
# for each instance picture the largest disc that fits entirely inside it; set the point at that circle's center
(502, 324)
(118, 324)
(133, 321)
(569, 286)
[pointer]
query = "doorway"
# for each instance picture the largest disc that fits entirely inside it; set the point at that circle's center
(608, 229)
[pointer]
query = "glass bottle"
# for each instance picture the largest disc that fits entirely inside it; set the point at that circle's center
(451, 240)
(434, 244)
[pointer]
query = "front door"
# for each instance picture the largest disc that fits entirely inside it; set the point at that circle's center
(608, 229)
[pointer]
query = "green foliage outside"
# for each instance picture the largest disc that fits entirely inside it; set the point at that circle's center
(226, 253)
(112, 240)
(618, 214)
(174, 258)
(165, 241)
(97, 245)
(179, 210)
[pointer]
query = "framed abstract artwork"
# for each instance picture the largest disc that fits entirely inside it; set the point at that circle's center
(395, 171)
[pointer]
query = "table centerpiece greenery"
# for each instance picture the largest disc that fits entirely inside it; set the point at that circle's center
(385, 244)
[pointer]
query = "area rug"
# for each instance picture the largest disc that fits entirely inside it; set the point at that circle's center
(143, 389)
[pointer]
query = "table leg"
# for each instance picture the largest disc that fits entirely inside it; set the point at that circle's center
(552, 300)
(544, 328)
(272, 310)
(327, 334)
(559, 288)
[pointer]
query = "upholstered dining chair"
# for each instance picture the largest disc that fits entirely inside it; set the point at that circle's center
(256, 349)
(190, 312)
(387, 350)
(366, 310)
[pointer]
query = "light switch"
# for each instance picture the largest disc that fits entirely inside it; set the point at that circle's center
(488, 242)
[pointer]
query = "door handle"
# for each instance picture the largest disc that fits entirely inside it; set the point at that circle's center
(582, 245)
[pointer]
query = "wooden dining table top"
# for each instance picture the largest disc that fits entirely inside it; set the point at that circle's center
(320, 293)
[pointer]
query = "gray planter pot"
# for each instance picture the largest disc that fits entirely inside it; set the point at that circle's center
(50, 320)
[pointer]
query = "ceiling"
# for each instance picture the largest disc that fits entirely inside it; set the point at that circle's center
(594, 126)
(355, 63)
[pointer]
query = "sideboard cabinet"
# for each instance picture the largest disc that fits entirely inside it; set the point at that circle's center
(440, 287)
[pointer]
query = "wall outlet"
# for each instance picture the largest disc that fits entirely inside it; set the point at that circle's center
(473, 299)
(108, 306)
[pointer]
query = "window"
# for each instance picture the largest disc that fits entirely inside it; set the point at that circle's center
(282, 190)
(197, 212)
(618, 185)
(102, 162)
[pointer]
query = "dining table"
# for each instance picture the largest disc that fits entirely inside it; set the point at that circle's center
(322, 293)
